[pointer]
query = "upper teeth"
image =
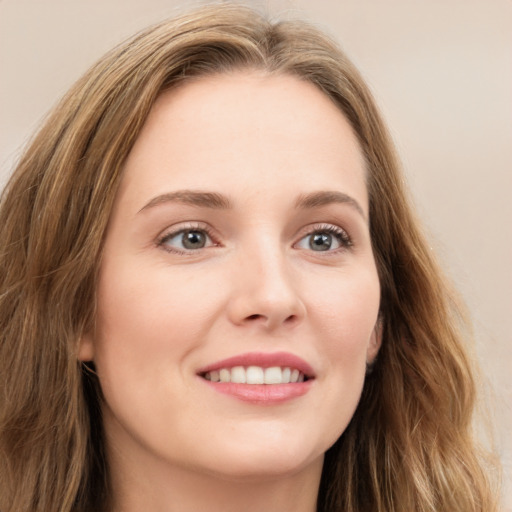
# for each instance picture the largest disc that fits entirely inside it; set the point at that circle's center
(255, 375)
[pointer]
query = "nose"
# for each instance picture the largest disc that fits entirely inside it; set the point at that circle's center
(265, 293)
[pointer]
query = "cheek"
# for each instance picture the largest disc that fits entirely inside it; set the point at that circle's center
(151, 299)
(148, 323)
(345, 314)
(147, 318)
(346, 308)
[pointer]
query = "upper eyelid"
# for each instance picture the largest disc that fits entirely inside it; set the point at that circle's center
(322, 226)
(173, 231)
(199, 225)
(185, 226)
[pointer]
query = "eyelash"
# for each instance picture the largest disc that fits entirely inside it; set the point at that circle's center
(340, 234)
(201, 228)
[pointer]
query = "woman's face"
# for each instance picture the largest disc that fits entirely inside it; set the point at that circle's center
(238, 249)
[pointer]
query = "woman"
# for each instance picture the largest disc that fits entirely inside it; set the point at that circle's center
(215, 294)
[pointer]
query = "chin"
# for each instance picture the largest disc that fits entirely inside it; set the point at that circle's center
(265, 468)
(266, 457)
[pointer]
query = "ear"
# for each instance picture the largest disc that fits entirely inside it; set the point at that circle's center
(374, 343)
(86, 348)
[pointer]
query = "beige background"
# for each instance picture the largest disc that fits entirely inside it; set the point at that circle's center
(442, 73)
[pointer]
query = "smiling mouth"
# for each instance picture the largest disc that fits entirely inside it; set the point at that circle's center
(260, 378)
(256, 375)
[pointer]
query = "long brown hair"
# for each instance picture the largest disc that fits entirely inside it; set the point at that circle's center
(409, 446)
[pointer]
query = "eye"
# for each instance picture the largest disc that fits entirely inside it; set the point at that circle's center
(326, 238)
(186, 240)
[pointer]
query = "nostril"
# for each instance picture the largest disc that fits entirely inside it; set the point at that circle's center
(254, 317)
(263, 318)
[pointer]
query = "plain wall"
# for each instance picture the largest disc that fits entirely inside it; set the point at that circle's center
(441, 72)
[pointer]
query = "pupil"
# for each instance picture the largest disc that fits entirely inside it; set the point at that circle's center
(193, 240)
(321, 242)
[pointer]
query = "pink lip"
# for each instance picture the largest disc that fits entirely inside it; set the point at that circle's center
(262, 394)
(263, 359)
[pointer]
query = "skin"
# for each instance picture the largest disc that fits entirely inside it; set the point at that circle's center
(257, 285)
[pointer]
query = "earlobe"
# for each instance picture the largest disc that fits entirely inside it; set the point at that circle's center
(85, 350)
(374, 343)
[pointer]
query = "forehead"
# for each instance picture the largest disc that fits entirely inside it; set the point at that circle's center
(245, 128)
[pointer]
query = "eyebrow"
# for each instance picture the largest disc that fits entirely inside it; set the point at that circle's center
(327, 197)
(191, 197)
(221, 202)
